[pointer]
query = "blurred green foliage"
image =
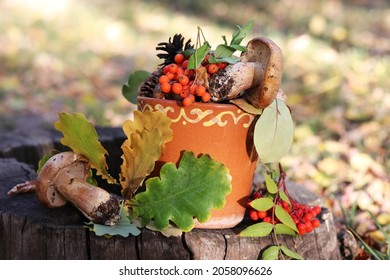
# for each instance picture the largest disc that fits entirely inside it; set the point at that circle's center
(69, 55)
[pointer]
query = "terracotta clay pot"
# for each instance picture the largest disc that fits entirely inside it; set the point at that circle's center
(223, 131)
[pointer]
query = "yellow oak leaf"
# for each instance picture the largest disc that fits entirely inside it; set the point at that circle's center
(146, 137)
(81, 136)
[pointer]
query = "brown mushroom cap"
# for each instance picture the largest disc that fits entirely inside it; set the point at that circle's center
(269, 55)
(45, 188)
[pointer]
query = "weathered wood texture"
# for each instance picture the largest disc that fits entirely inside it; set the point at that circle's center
(30, 231)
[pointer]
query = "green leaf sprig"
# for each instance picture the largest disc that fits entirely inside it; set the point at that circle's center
(223, 52)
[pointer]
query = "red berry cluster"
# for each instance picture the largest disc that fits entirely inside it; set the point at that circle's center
(304, 216)
(181, 82)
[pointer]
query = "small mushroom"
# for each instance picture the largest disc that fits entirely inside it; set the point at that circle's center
(257, 77)
(62, 179)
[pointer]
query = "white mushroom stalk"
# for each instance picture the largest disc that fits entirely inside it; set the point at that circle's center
(62, 179)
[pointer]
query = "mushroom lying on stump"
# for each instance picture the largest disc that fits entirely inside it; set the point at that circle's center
(62, 179)
(257, 77)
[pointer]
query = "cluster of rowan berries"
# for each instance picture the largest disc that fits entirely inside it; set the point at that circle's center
(304, 216)
(181, 82)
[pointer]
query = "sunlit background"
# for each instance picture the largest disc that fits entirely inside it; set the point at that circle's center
(74, 56)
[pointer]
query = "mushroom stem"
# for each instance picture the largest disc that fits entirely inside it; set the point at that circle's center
(234, 79)
(95, 203)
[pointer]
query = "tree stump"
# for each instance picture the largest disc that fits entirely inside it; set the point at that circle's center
(30, 231)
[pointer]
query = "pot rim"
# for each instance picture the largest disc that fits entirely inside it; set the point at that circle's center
(226, 106)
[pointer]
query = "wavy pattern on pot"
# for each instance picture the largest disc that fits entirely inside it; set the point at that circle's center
(206, 116)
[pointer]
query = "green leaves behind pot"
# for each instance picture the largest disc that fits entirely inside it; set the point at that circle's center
(184, 193)
(82, 138)
(273, 133)
(130, 89)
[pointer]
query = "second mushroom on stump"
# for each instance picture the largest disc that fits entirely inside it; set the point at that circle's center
(62, 179)
(257, 77)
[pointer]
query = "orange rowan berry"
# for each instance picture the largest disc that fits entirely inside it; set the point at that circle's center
(173, 68)
(185, 64)
(177, 88)
(206, 59)
(212, 68)
(201, 90)
(166, 69)
(193, 89)
(179, 58)
(187, 101)
(165, 87)
(222, 65)
(163, 79)
(192, 97)
(206, 97)
(170, 75)
(180, 71)
(183, 79)
(184, 93)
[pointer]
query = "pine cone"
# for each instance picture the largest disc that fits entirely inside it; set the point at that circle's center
(148, 87)
(172, 47)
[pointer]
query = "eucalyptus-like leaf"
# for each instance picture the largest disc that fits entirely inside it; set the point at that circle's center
(285, 217)
(273, 134)
(271, 253)
(283, 229)
(238, 48)
(270, 184)
(257, 230)
(241, 33)
(284, 197)
(290, 253)
(223, 51)
(262, 204)
(198, 56)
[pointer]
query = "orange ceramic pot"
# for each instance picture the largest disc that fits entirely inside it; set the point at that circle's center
(223, 131)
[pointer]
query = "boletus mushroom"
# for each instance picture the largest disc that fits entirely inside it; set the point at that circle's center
(257, 76)
(62, 179)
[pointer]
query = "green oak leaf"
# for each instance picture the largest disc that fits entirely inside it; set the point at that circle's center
(123, 228)
(82, 138)
(273, 133)
(181, 194)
